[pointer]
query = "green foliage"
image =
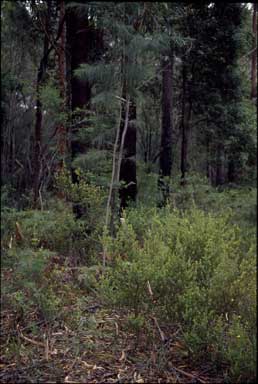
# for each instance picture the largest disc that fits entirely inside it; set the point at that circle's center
(31, 288)
(88, 278)
(147, 185)
(52, 102)
(135, 323)
(96, 165)
(50, 229)
(84, 194)
(56, 228)
(240, 201)
(195, 265)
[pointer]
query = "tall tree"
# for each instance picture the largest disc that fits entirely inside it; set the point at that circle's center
(186, 111)
(38, 119)
(166, 123)
(62, 131)
(79, 43)
(127, 174)
(254, 54)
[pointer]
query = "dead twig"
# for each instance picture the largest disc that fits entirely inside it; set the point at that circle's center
(191, 376)
(161, 333)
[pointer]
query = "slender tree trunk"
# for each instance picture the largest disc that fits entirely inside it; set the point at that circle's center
(220, 171)
(208, 165)
(149, 143)
(114, 177)
(231, 171)
(38, 123)
(254, 55)
(127, 174)
(61, 133)
(127, 139)
(166, 125)
(185, 127)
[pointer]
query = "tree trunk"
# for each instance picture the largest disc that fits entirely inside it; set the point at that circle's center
(220, 171)
(61, 132)
(38, 123)
(166, 125)
(127, 175)
(254, 55)
(79, 36)
(231, 171)
(185, 127)
(85, 44)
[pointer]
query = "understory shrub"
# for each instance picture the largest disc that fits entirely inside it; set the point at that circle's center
(241, 201)
(30, 288)
(201, 278)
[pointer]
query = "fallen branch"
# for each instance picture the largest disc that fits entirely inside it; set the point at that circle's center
(191, 376)
(34, 342)
(161, 333)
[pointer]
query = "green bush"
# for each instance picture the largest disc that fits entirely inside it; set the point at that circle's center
(240, 200)
(30, 288)
(47, 229)
(55, 229)
(200, 276)
(89, 199)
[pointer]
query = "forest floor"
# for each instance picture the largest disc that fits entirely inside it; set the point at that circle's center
(101, 349)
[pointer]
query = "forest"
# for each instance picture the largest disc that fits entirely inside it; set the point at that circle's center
(128, 192)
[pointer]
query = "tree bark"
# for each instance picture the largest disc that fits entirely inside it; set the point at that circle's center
(185, 127)
(85, 44)
(254, 55)
(38, 123)
(231, 171)
(166, 124)
(61, 132)
(220, 171)
(127, 174)
(79, 36)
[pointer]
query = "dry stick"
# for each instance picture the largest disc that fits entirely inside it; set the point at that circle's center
(38, 343)
(112, 180)
(123, 139)
(191, 376)
(114, 165)
(162, 336)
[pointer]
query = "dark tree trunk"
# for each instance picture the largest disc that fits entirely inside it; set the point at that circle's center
(166, 125)
(254, 55)
(185, 128)
(127, 174)
(231, 171)
(208, 161)
(220, 171)
(84, 45)
(166, 128)
(79, 40)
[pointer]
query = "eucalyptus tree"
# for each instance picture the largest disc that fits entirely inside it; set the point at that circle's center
(117, 80)
(173, 42)
(84, 45)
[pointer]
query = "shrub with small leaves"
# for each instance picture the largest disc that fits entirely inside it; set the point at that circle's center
(200, 275)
